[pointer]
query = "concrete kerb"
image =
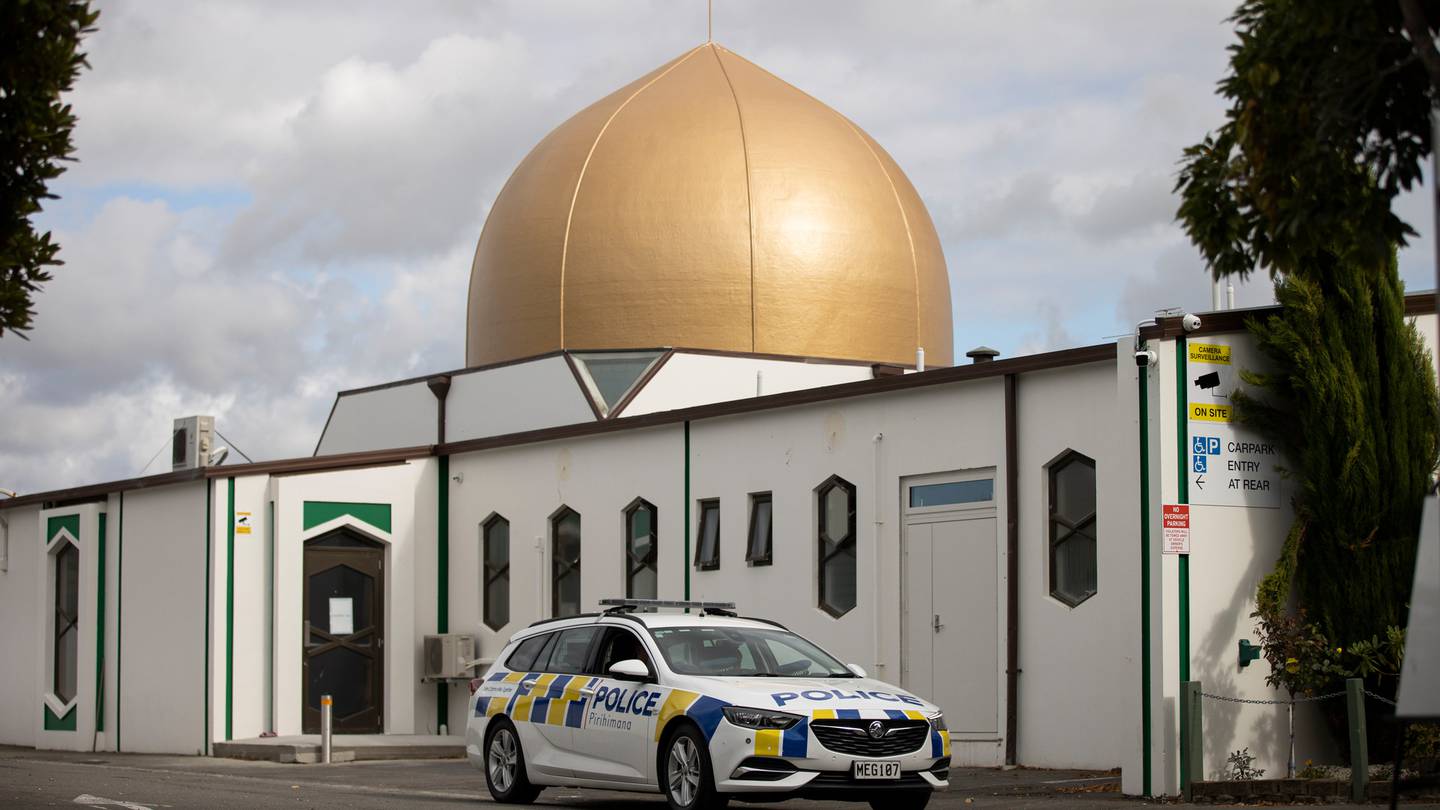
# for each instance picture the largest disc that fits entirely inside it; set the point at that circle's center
(304, 749)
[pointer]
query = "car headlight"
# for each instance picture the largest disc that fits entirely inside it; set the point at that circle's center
(937, 721)
(759, 718)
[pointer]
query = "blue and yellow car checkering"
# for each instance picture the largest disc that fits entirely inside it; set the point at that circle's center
(705, 711)
(554, 700)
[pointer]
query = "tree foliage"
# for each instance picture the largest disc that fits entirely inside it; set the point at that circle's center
(1329, 120)
(39, 60)
(1352, 402)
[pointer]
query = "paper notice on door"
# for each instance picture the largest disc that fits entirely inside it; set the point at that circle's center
(342, 616)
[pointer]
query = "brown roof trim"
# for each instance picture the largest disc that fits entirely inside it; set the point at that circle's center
(584, 389)
(471, 370)
(640, 384)
(794, 358)
(92, 491)
(1235, 320)
(1104, 352)
(339, 461)
(326, 429)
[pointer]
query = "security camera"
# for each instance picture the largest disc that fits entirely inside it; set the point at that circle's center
(1146, 357)
(1190, 322)
(218, 457)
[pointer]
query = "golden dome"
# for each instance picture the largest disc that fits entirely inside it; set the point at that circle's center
(709, 205)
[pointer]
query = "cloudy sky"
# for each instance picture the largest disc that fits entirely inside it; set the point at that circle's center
(277, 200)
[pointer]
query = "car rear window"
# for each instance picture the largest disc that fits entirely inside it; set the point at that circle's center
(571, 650)
(524, 656)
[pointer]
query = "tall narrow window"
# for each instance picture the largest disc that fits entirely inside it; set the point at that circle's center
(837, 545)
(757, 549)
(565, 562)
(641, 550)
(707, 550)
(67, 620)
(495, 539)
(1073, 574)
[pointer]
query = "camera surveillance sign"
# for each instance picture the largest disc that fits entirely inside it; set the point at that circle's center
(1230, 465)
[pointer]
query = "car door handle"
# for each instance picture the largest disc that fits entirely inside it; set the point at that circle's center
(587, 692)
(527, 685)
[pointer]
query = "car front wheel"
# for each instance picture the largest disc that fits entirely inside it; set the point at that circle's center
(505, 767)
(685, 775)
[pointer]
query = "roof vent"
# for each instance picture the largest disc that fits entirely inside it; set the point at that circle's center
(982, 354)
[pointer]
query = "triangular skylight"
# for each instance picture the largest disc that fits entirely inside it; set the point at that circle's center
(610, 376)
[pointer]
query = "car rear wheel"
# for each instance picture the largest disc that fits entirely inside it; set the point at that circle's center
(909, 800)
(505, 766)
(685, 775)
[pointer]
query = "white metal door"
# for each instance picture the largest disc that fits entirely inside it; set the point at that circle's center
(951, 629)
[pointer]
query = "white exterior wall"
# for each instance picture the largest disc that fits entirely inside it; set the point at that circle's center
(596, 476)
(20, 633)
(162, 654)
(514, 398)
(400, 416)
(410, 586)
(1079, 702)
(699, 379)
(250, 679)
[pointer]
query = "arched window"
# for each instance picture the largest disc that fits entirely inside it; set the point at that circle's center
(1073, 570)
(836, 501)
(67, 620)
(565, 562)
(495, 551)
(641, 550)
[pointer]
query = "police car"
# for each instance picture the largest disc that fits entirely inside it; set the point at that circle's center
(702, 707)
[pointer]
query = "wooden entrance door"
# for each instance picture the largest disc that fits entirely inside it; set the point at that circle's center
(344, 634)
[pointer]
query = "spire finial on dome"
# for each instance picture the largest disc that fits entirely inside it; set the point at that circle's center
(709, 21)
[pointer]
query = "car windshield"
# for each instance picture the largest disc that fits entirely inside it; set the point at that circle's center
(745, 652)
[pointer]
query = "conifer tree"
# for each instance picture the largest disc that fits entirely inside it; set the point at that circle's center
(1352, 401)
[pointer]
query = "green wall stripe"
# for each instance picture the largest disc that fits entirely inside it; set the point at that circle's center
(70, 523)
(66, 723)
(1182, 495)
(686, 559)
(230, 612)
(119, 615)
(442, 574)
(209, 514)
(318, 512)
(1145, 578)
(100, 628)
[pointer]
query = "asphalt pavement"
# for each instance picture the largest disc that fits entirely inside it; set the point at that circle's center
(33, 779)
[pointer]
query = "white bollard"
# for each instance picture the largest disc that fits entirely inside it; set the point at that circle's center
(325, 712)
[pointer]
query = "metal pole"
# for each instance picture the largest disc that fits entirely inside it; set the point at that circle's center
(325, 712)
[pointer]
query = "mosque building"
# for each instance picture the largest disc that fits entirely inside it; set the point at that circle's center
(709, 356)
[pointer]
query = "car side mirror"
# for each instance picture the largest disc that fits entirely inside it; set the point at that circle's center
(857, 669)
(631, 669)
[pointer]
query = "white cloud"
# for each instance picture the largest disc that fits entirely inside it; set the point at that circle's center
(276, 200)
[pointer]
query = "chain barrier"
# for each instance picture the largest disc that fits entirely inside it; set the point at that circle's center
(1311, 699)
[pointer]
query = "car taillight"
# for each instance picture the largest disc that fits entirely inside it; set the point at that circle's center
(475, 684)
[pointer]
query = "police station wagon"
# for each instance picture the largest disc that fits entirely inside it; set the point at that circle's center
(701, 707)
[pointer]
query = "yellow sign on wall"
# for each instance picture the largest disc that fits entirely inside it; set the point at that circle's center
(242, 523)
(1206, 412)
(1210, 353)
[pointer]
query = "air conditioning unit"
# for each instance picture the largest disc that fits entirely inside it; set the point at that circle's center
(449, 656)
(192, 441)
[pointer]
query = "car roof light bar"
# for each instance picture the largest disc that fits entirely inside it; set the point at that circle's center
(632, 605)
